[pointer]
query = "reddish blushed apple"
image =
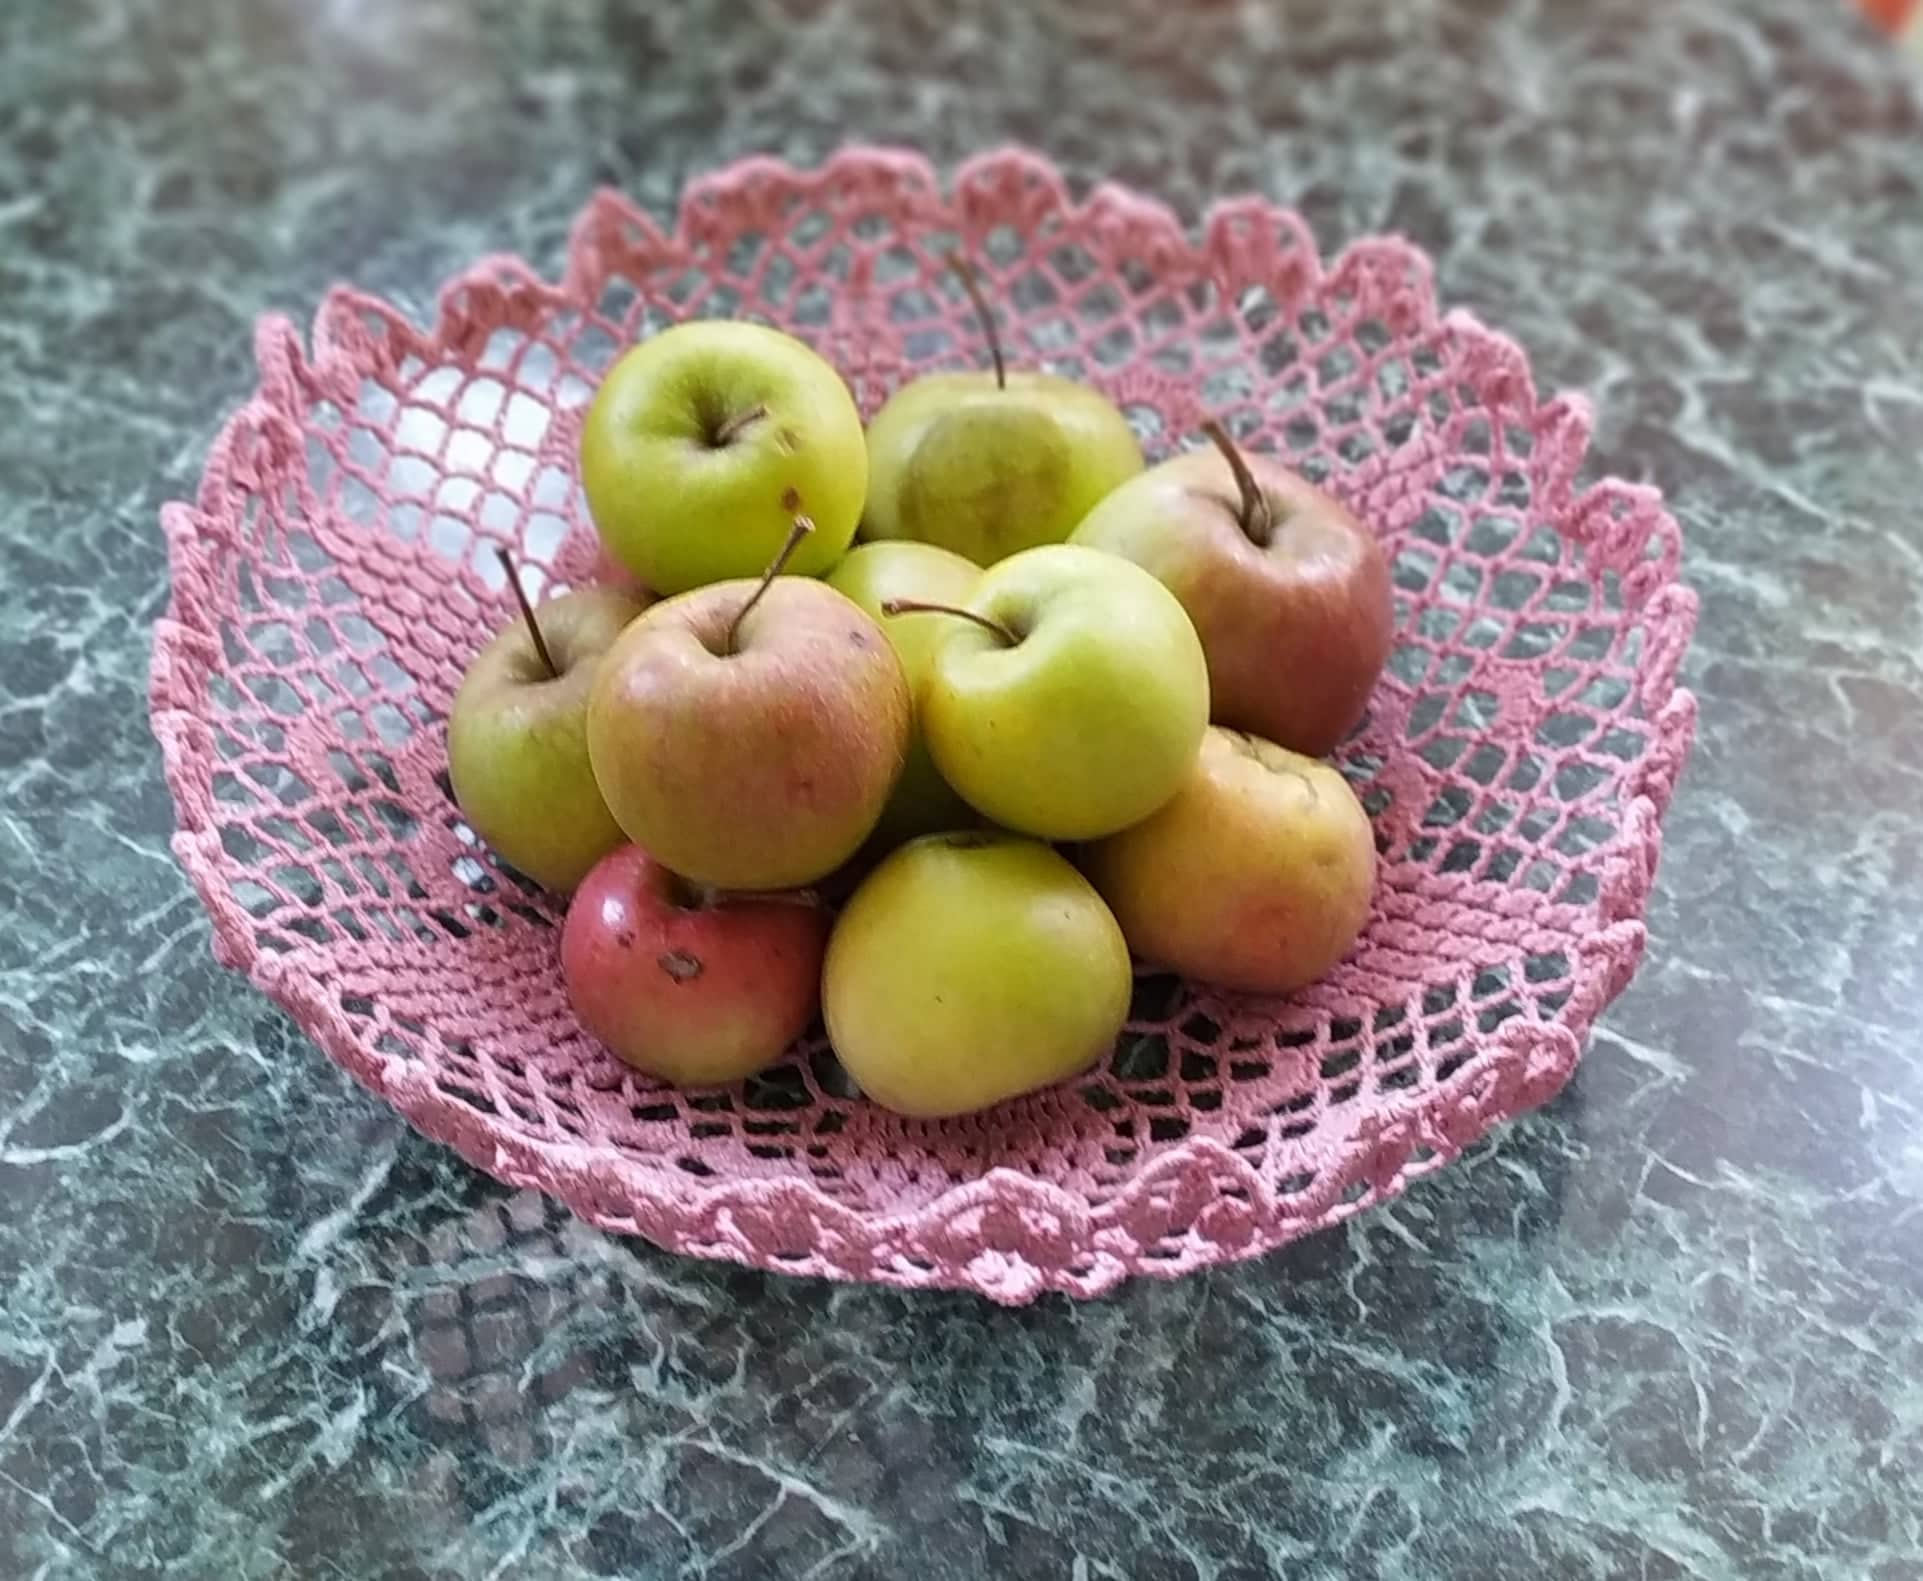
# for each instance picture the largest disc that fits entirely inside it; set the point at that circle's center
(1289, 593)
(692, 986)
(1257, 876)
(748, 735)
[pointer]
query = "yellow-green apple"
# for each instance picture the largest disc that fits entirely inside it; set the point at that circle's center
(1289, 592)
(971, 967)
(871, 574)
(748, 734)
(704, 441)
(989, 464)
(1069, 696)
(517, 748)
(694, 986)
(1256, 876)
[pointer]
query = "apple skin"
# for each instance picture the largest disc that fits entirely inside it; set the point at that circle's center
(694, 988)
(517, 750)
(680, 501)
(610, 572)
(972, 967)
(1256, 877)
(1296, 632)
(870, 574)
(1092, 720)
(984, 471)
(762, 769)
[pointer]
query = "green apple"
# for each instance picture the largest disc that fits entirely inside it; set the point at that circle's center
(1288, 591)
(1070, 695)
(1256, 876)
(517, 750)
(705, 440)
(872, 574)
(747, 735)
(969, 968)
(991, 464)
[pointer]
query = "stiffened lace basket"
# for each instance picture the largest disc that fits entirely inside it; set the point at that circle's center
(335, 574)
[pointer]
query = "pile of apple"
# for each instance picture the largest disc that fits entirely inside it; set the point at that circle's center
(781, 775)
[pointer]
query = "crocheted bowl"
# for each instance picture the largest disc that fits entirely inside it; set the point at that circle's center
(335, 574)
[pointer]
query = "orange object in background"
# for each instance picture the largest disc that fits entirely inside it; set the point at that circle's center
(1890, 15)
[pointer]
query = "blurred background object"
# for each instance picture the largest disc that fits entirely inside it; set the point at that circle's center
(1902, 19)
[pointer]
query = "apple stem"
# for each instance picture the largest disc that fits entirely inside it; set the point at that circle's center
(1255, 517)
(720, 898)
(965, 272)
(914, 606)
(733, 428)
(802, 527)
(527, 613)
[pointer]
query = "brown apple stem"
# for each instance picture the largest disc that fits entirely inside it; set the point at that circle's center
(690, 896)
(1255, 517)
(806, 898)
(914, 606)
(802, 527)
(527, 613)
(965, 272)
(735, 426)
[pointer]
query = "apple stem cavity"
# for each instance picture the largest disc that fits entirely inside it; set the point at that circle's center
(684, 896)
(737, 425)
(802, 527)
(965, 272)
(527, 613)
(1255, 517)
(892, 607)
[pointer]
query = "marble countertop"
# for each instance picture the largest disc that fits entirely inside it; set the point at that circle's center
(1670, 1327)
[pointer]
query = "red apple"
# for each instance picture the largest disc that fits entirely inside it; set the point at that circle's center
(1288, 591)
(749, 735)
(1257, 876)
(690, 985)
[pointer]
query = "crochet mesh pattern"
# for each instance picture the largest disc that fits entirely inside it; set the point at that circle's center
(336, 573)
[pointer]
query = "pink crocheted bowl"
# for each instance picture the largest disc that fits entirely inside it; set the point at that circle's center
(334, 576)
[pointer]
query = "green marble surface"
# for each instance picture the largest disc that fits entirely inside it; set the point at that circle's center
(1668, 1328)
